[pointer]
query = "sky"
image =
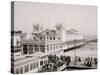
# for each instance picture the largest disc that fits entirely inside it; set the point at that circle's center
(80, 17)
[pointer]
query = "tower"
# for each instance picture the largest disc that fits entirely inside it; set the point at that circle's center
(60, 32)
(37, 28)
(59, 27)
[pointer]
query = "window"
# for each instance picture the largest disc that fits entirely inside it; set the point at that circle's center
(50, 38)
(47, 38)
(42, 48)
(51, 47)
(60, 45)
(54, 46)
(17, 42)
(37, 29)
(36, 48)
(36, 64)
(17, 70)
(41, 62)
(18, 50)
(25, 49)
(30, 49)
(44, 62)
(40, 38)
(26, 68)
(58, 38)
(31, 66)
(47, 33)
(44, 38)
(47, 47)
(21, 70)
(53, 38)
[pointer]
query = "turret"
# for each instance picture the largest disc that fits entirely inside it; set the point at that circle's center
(37, 28)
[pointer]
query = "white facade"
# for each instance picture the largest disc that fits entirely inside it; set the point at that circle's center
(44, 42)
(27, 64)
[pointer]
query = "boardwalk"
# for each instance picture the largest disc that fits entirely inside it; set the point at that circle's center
(89, 50)
(78, 66)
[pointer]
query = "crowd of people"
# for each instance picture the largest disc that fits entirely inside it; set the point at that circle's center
(54, 62)
(90, 61)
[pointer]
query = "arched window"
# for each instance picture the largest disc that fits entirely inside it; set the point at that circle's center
(47, 32)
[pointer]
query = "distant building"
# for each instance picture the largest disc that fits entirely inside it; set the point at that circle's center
(16, 43)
